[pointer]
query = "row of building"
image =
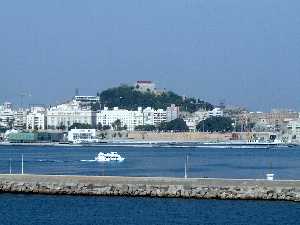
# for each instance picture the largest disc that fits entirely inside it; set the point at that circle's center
(76, 111)
(79, 110)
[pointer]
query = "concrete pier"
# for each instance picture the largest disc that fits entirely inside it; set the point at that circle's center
(152, 187)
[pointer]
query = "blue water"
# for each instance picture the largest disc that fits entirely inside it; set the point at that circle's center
(163, 161)
(142, 161)
(63, 210)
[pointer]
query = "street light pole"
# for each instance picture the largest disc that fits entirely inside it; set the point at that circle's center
(22, 164)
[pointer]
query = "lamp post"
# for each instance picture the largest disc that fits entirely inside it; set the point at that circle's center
(9, 165)
(22, 164)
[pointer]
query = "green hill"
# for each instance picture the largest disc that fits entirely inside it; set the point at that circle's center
(128, 97)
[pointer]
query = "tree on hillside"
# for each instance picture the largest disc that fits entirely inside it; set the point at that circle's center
(177, 125)
(128, 97)
(216, 124)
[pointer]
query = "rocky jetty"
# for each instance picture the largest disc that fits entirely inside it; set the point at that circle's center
(152, 187)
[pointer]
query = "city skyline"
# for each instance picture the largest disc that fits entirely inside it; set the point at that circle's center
(245, 53)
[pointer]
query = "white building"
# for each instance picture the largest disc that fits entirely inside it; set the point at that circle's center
(65, 115)
(82, 135)
(6, 115)
(36, 119)
(130, 119)
(20, 118)
(216, 112)
(90, 99)
(154, 117)
(293, 130)
(191, 123)
(172, 112)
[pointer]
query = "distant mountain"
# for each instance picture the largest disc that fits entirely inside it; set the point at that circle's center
(128, 97)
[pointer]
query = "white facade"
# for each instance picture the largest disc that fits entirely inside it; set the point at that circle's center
(154, 117)
(36, 119)
(293, 130)
(130, 119)
(195, 118)
(82, 135)
(91, 99)
(65, 115)
(6, 115)
(191, 123)
(172, 112)
(20, 117)
(216, 112)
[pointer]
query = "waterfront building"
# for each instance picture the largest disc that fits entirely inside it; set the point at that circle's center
(33, 137)
(65, 115)
(293, 131)
(36, 119)
(129, 119)
(275, 120)
(79, 135)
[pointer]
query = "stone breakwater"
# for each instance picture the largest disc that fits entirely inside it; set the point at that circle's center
(152, 187)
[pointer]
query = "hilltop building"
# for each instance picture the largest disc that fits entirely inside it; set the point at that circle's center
(145, 85)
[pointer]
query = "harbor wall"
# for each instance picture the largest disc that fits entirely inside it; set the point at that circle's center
(179, 136)
(196, 136)
(152, 187)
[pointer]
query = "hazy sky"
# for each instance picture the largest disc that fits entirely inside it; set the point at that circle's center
(245, 52)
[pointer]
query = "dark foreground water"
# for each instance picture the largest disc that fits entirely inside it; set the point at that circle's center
(155, 161)
(63, 210)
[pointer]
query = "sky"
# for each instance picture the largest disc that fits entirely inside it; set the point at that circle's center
(245, 53)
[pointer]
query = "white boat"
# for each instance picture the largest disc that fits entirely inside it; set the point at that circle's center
(107, 157)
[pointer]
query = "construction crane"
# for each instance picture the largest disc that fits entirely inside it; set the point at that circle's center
(22, 95)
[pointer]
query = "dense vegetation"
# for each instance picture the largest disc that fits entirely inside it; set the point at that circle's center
(80, 126)
(128, 97)
(146, 128)
(216, 124)
(3, 129)
(177, 125)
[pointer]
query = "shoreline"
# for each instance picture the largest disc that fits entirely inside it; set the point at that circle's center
(166, 144)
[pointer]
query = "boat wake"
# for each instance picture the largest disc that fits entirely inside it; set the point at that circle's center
(48, 160)
(88, 160)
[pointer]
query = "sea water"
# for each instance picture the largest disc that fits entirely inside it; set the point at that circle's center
(144, 161)
(155, 161)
